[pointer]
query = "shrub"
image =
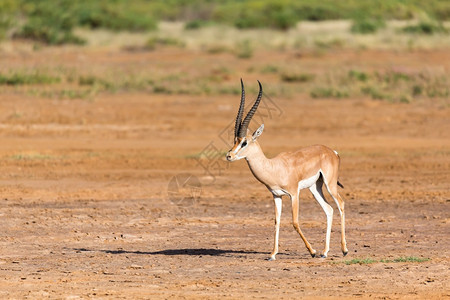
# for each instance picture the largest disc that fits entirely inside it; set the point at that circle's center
(50, 25)
(114, 15)
(35, 30)
(367, 26)
(284, 19)
(417, 90)
(425, 27)
(360, 76)
(8, 11)
(196, 24)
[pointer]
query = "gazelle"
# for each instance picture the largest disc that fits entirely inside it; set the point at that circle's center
(288, 173)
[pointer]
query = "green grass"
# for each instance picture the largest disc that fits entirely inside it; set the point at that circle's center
(406, 259)
(91, 80)
(8, 8)
(334, 43)
(367, 26)
(154, 42)
(244, 49)
(328, 92)
(358, 75)
(31, 156)
(216, 49)
(398, 85)
(23, 78)
(83, 94)
(270, 69)
(197, 24)
(426, 27)
(366, 261)
(374, 92)
(360, 261)
(297, 77)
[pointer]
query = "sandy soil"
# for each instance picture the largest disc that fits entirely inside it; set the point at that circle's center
(85, 210)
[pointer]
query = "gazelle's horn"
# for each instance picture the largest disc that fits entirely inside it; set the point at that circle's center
(240, 112)
(243, 128)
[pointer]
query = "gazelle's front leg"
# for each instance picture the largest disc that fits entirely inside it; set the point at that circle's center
(278, 206)
(295, 223)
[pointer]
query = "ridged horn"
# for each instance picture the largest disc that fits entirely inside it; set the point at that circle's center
(240, 112)
(243, 128)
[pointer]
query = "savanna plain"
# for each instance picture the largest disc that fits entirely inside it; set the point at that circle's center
(91, 136)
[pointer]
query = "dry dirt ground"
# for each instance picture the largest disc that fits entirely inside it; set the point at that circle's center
(85, 210)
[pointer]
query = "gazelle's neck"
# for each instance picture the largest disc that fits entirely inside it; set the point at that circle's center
(258, 163)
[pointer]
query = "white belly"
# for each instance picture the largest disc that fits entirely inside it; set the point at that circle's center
(302, 184)
(278, 192)
(308, 182)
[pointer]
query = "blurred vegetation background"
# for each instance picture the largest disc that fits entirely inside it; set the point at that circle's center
(54, 21)
(230, 30)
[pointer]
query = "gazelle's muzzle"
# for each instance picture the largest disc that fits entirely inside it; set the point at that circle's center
(231, 156)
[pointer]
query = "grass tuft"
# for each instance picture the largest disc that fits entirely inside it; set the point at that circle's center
(367, 25)
(244, 49)
(358, 75)
(31, 156)
(360, 261)
(197, 24)
(297, 77)
(154, 42)
(366, 261)
(328, 92)
(406, 259)
(24, 78)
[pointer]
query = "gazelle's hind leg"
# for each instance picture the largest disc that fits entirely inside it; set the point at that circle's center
(316, 190)
(295, 223)
(333, 190)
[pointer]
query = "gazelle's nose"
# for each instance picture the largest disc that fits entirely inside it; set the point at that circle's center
(228, 156)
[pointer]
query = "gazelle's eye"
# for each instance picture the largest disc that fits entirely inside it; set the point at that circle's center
(244, 144)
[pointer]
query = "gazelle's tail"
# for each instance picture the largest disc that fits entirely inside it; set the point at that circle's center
(337, 154)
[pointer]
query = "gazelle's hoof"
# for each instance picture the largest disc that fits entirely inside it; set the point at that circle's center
(323, 256)
(271, 258)
(313, 253)
(345, 252)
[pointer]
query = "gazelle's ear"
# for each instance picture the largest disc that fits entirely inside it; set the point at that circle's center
(258, 132)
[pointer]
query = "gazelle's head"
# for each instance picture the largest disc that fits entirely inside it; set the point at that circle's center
(243, 140)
